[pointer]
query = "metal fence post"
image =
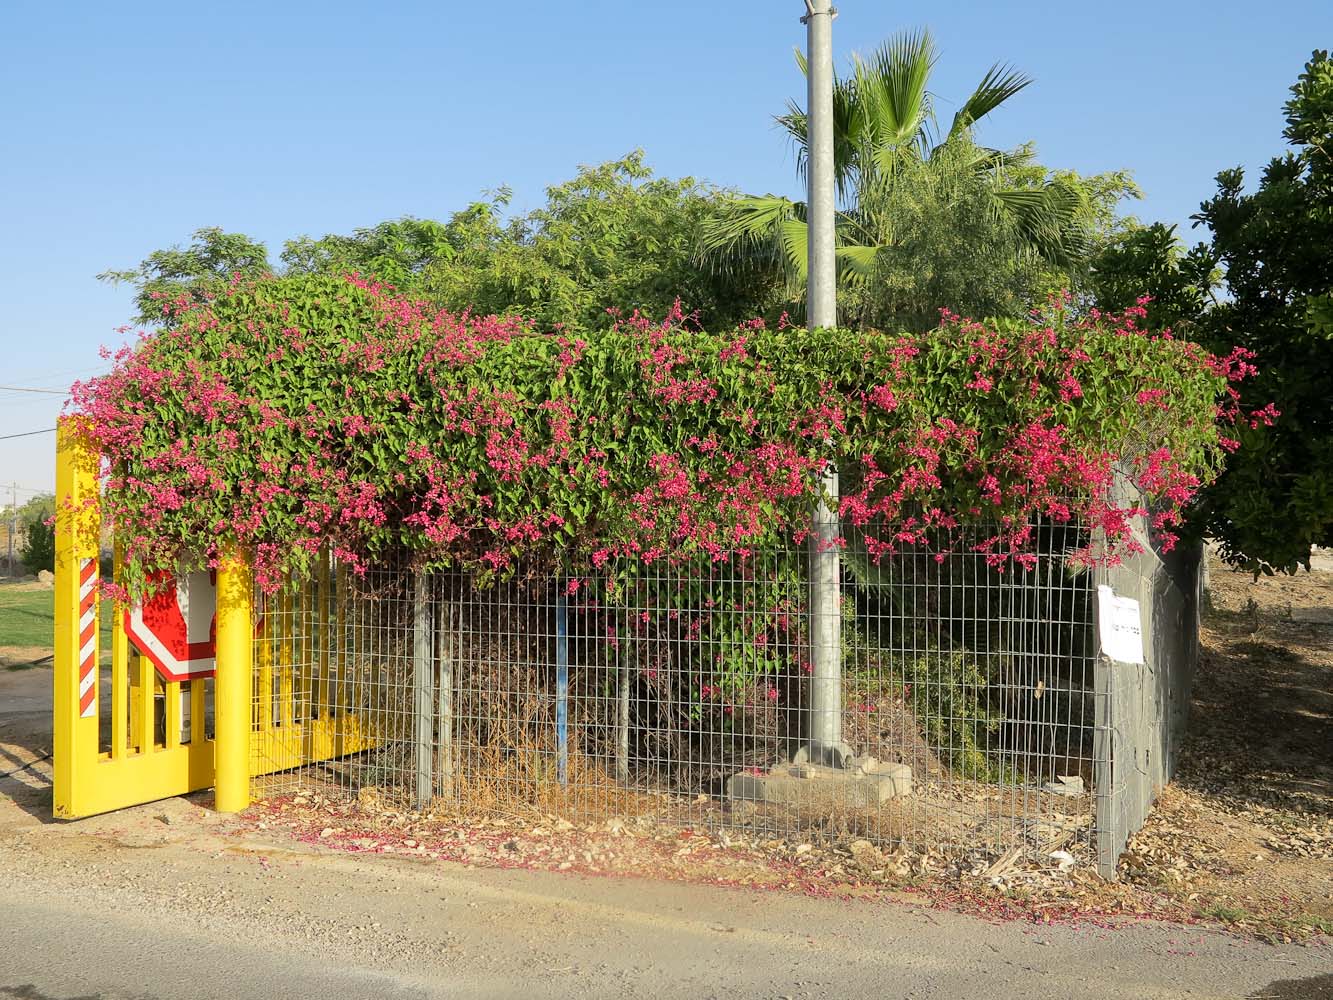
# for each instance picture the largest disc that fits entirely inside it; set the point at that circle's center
(423, 689)
(622, 724)
(444, 764)
(561, 686)
(1109, 825)
(232, 683)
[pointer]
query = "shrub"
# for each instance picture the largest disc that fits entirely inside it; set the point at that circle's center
(948, 693)
(287, 415)
(39, 547)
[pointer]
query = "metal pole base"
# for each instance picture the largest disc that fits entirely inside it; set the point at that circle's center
(838, 755)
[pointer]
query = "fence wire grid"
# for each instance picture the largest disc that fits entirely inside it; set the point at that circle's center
(647, 693)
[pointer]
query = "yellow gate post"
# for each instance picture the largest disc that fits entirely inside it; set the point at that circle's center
(231, 685)
(78, 522)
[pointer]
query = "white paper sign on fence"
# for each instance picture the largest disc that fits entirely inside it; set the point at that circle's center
(1118, 622)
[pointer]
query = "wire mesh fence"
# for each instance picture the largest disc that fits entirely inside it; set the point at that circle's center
(682, 691)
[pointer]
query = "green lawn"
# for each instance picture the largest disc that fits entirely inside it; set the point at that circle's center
(27, 616)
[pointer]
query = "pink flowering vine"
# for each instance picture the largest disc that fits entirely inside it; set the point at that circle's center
(305, 414)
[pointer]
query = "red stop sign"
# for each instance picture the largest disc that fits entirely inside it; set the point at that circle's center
(175, 628)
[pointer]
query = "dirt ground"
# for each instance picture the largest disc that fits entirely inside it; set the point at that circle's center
(1244, 834)
(1243, 839)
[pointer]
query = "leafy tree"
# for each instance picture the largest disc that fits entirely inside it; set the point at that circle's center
(211, 260)
(928, 219)
(401, 251)
(613, 237)
(39, 547)
(1150, 260)
(1275, 245)
(1276, 497)
(39, 542)
(39, 508)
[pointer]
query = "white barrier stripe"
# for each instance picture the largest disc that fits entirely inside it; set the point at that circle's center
(87, 618)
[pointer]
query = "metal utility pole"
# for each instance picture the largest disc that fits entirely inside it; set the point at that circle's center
(825, 730)
(821, 295)
(839, 777)
(13, 523)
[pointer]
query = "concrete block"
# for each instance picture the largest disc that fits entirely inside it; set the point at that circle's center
(1066, 784)
(870, 783)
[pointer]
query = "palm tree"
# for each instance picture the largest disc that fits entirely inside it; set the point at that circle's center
(887, 148)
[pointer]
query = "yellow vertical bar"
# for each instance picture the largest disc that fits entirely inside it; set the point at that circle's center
(305, 678)
(285, 712)
(147, 714)
(231, 684)
(74, 733)
(321, 709)
(264, 694)
(198, 706)
(136, 703)
(344, 698)
(171, 711)
(120, 673)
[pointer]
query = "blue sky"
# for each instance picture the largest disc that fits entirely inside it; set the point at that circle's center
(125, 127)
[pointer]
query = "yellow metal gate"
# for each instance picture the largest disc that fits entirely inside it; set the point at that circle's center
(129, 736)
(303, 710)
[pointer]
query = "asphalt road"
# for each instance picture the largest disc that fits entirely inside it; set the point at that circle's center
(208, 927)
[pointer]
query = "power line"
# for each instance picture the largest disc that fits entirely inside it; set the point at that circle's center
(24, 388)
(52, 382)
(25, 434)
(36, 377)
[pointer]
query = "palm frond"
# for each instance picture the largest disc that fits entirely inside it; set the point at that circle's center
(797, 125)
(756, 228)
(1049, 219)
(892, 105)
(984, 158)
(796, 247)
(1000, 83)
(856, 264)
